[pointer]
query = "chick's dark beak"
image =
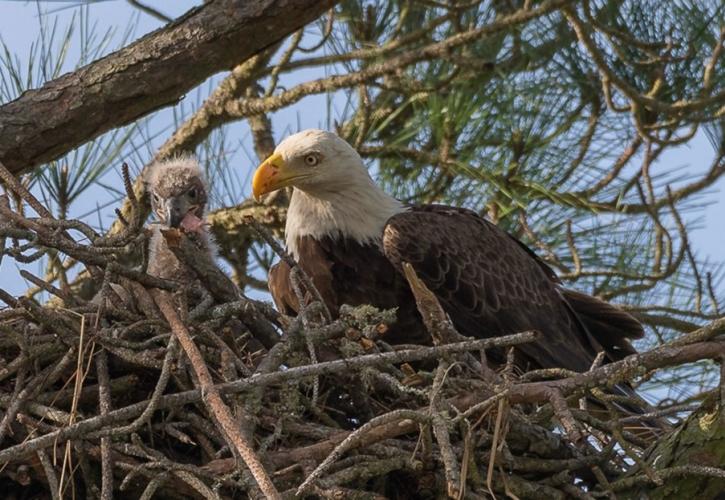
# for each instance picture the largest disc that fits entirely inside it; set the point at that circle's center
(176, 209)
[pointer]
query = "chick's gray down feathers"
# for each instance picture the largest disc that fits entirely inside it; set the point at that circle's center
(178, 194)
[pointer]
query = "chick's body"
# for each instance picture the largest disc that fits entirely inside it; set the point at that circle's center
(178, 198)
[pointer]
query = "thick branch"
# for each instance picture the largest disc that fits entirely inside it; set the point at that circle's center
(153, 72)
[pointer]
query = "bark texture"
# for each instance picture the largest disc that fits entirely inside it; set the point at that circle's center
(696, 446)
(153, 72)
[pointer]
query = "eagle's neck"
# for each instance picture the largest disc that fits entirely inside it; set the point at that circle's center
(359, 213)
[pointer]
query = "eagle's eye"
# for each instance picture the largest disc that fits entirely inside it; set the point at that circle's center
(157, 198)
(312, 159)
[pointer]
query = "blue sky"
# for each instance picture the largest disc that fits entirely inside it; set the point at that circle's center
(19, 29)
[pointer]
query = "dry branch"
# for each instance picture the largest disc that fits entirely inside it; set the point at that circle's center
(212, 398)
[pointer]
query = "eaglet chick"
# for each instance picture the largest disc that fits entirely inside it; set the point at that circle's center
(178, 194)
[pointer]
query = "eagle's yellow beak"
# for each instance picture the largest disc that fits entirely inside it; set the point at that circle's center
(270, 176)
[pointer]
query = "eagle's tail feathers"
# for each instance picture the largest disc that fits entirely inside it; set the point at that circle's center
(610, 326)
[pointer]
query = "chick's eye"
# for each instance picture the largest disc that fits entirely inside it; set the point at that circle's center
(311, 160)
(192, 193)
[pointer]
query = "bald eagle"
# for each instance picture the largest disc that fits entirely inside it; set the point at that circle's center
(352, 239)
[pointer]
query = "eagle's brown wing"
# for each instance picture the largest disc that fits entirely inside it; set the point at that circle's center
(489, 283)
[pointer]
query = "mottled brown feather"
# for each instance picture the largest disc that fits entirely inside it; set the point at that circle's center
(489, 283)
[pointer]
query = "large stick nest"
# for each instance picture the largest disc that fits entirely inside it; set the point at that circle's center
(152, 389)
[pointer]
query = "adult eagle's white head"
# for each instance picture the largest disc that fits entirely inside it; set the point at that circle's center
(333, 193)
